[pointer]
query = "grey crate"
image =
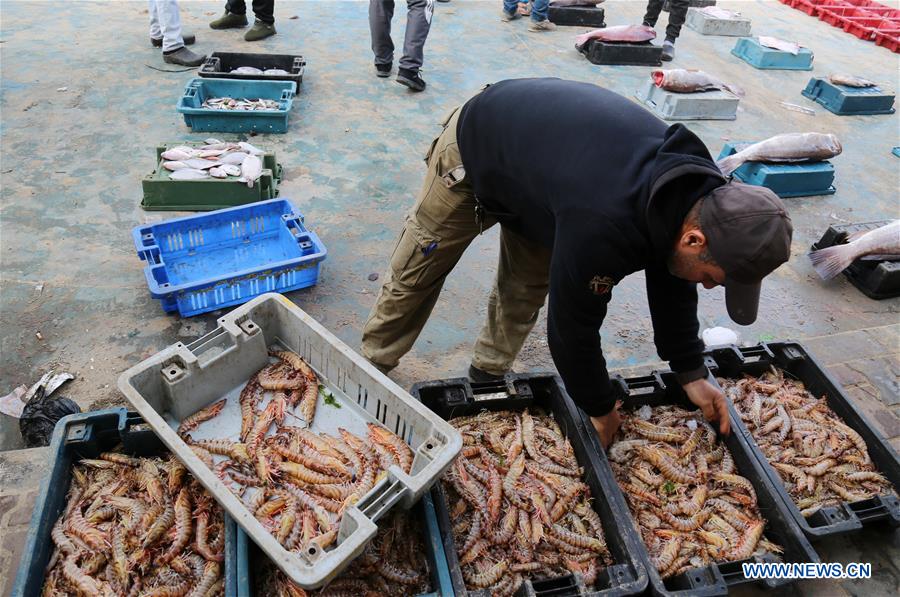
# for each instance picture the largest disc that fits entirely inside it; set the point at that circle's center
(702, 105)
(182, 379)
(706, 25)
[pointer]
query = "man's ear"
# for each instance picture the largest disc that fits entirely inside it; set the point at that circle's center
(692, 240)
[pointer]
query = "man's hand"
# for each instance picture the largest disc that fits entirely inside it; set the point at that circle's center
(711, 401)
(607, 426)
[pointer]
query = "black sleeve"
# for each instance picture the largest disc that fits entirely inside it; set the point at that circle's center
(673, 310)
(574, 317)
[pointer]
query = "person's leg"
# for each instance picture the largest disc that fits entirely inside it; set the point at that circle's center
(677, 14)
(155, 32)
(540, 9)
(236, 7)
(169, 25)
(380, 14)
(418, 23)
(235, 16)
(264, 10)
(520, 289)
(654, 7)
(510, 10)
(437, 231)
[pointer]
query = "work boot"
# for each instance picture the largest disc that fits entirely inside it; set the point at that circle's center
(668, 51)
(411, 79)
(383, 71)
(506, 17)
(229, 21)
(479, 376)
(187, 38)
(184, 57)
(545, 25)
(260, 31)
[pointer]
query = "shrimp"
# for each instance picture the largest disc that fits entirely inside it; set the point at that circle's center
(204, 414)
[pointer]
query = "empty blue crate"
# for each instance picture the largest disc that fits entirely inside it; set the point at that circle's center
(786, 180)
(202, 119)
(755, 54)
(848, 101)
(225, 258)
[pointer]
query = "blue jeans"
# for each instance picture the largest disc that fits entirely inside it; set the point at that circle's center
(539, 9)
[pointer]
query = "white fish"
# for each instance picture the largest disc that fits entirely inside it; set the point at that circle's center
(831, 261)
(780, 44)
(188, 174)
(212, 141)
(789, 147)
(201, 164)
(235, 158)
(176, 155)
(251, 170)
(175, 166)
(210, 153)
(217, 173)
(850, 81)
(275, 71)
(250, 149)
(185, 149)
(246, 70)
(214, 146)
(230, 169)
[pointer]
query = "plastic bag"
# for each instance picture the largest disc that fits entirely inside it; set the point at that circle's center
(40, 415)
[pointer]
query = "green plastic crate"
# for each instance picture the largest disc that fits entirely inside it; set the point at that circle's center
(164, 194)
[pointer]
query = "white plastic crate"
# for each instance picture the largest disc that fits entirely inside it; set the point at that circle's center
(182, 379)
(705, 24)
(701, 105)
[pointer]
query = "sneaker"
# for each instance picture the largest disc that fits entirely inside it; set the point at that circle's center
(479, 376)
(411, 79)
(229, 21)
(668, 51)
(260, 31)
(187, 38)
(544, 25)
(383, 71)
(184, 57)
(506, 17)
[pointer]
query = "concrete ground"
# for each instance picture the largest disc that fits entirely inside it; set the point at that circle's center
(83, 111)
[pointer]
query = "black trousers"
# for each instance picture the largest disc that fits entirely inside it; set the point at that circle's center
(265, 9)
(677, 13)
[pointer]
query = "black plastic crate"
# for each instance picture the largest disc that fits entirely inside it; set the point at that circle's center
(86, 436)
(577, 16)
(458, 397)
(659, 389)
(220, 64)
(795, 360)
(622, 53)
(876, 278)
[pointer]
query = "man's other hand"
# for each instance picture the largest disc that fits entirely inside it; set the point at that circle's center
(607, 426)
(711, 401)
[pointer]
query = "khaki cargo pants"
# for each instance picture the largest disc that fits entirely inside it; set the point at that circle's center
(436, 233)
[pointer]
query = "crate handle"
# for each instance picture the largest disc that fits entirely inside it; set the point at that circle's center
(875, 509)
(190, 92)
(219, 338)
(211, 65)
(753, 354)
(287, 94)
(640, 385)
(299, 63)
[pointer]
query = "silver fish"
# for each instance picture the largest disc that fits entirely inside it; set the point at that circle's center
(250, 149)
(176, 155)
(251, 170)
(780, 44)
(680, 80)
(217, 173)
(188, 174)
(173, 166)
(230, 169)
(246, 70)
(216, 146)
(233, 158)
(210, 153)
(201, 164)
(831, 261)
(275, 71)
(184, 148)
(789, 147)
(850, 81)
(212, 141)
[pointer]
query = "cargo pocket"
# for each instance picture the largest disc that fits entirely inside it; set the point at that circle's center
(444, 123)
(415, 260)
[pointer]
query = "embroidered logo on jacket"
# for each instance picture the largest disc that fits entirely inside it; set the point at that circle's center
(600, 285)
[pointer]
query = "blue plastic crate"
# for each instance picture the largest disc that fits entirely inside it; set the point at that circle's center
(424, 511)
(896, 151)
(85, 436)
(849, 101)
(755, 54)
(786, 180)
(224, 258)
(236, 121)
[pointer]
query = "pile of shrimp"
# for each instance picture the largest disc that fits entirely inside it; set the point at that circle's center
(691, 507)
(821, 461)
(136, 526)
(393, 563)
(518, 506)
(295, 481)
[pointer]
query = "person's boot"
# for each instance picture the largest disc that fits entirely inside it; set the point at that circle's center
(668, 50)
(260, 31)
(411, 79)
(383, 71)
(506, 17)
(229, 21)
(479, 376)
(184, 57)
(545, 25)
(187, 38)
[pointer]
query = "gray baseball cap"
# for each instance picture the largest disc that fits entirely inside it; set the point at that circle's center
(749, 235)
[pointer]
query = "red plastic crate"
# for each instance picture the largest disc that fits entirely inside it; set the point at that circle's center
(833, 14)
(811, 7)
(862, 27)
(862, 2)
(883, 11)
(889, 39)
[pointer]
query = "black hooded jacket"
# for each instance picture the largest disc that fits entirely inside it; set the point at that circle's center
(605, 185)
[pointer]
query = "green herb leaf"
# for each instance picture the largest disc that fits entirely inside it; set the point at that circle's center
(669, 487)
